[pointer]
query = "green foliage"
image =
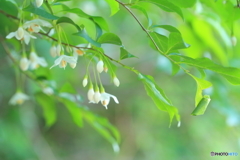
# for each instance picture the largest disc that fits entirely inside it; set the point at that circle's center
(202, 106)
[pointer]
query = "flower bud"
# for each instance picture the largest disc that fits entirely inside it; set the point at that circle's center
(90, 95)
(48, 90)
(100, 66)
(39, 3)
(20, 33)
(116, 81)
(53, 51)
(24, 63)
(97, 97)
(85, 82)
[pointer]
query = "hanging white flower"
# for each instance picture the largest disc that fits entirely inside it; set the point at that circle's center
(90, 95)
(85, 82)
(21, 34)
(97, 96)
(116, 81)
(58, 49)
(39, 2)
(24, 63)
(35, 25)
(105, 99)
(36, 61)
(63, 60)
(78, 52)
(18, 98)
(100, 65)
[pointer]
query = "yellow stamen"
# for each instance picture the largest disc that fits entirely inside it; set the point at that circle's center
(79, 52)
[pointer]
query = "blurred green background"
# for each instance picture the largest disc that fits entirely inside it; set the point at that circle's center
(145, 135)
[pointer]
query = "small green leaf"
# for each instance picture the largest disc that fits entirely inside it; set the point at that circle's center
(175, 68)
(201, 85)
(184, 3)
(159, 97)
(83, 33)
(68, 88)
(74, 110)
(48, 105)
(101, 22)
(78, 12)
(140, 8)
(67, 20)
(40, 12)
(230, 73)
(202, 106)
(166, 27)
(125, 54)
(166, 6)
(161, 41)
(114, 6)
(110, 38)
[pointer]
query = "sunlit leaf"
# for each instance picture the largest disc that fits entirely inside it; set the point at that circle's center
(184, 3)
(159, 97)
(48, 105)
(230, 73)
(113, 5)
(140, 8)
(161, 41)
(202, 106)
(201, 85)
(176, 42)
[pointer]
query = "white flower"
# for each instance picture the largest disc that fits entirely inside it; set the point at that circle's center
(116, 81)
(90, 95)
(24, 63)
(35, 25)
(39, 3)
(18, 98)
(97, 97)
(105, 99)
(100, 66)
(35, 61)
(48, 90)
(73, 65)
(21, 34)
(63, 60)
(53, 51)
(85, 82)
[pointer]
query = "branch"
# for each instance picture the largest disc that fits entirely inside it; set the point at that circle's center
(145, 30)
(66, 44)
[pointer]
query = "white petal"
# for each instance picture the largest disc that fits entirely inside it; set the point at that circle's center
(20, 33)
(48, 91)
(11, 35)
(97, 97)
(90, 95)
(24, 63)
(116, 81)
(69, 59)
(33, 57)
(57, 61)
(114, 98)
(73, 65)
(85, 82)
(58, 51)
(53, 51)
(18, 98)
(42, 62)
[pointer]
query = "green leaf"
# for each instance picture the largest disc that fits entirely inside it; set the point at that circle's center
(201, 85)
(102, 125)
(67, 20)
(114, 6)
(68, 88)
(125, 54)
(159, 97)
(39, 12)
(110, 38)
(166, 27)
(175, 42)
(230, 73)
(74, 110)
(9, 7)
(184, 3)
(48, 105)
(202, 106)
(175, 68)
(96, 19)
(83, 33)
(166, 6)
(161, 41)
